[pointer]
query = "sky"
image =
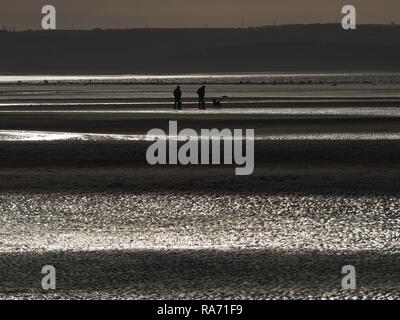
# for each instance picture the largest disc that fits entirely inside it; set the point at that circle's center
(91, 14)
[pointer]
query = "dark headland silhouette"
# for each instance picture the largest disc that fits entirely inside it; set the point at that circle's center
(319, 47)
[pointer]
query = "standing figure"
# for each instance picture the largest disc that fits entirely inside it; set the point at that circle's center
(178, 97)
(202, 97)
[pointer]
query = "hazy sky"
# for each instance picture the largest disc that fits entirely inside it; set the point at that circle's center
(89, 14)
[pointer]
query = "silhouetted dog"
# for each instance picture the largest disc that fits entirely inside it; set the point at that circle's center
(217, 104)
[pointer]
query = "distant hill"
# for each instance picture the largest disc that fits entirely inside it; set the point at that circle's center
(143, 51)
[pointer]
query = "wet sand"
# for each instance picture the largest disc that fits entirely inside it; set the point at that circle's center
(325, 193)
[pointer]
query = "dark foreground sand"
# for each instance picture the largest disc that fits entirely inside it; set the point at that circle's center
(116, 228)
(201, 274)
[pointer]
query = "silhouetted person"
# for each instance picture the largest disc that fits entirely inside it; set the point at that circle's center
(202, 97)
(178, 98)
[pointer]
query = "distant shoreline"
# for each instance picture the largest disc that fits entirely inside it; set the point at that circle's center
(272, 78)
(261, 27)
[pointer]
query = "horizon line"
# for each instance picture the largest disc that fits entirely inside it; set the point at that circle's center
(11, 29)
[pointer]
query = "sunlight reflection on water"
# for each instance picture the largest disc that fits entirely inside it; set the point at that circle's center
(16, 135)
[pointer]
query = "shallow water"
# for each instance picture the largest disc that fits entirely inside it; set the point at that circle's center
(196, 243)
(21, 135)
(97, 221)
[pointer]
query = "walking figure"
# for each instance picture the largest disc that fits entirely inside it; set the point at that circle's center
(202, 97)
(178, 97)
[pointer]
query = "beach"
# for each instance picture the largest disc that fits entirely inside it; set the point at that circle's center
(77, 193)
